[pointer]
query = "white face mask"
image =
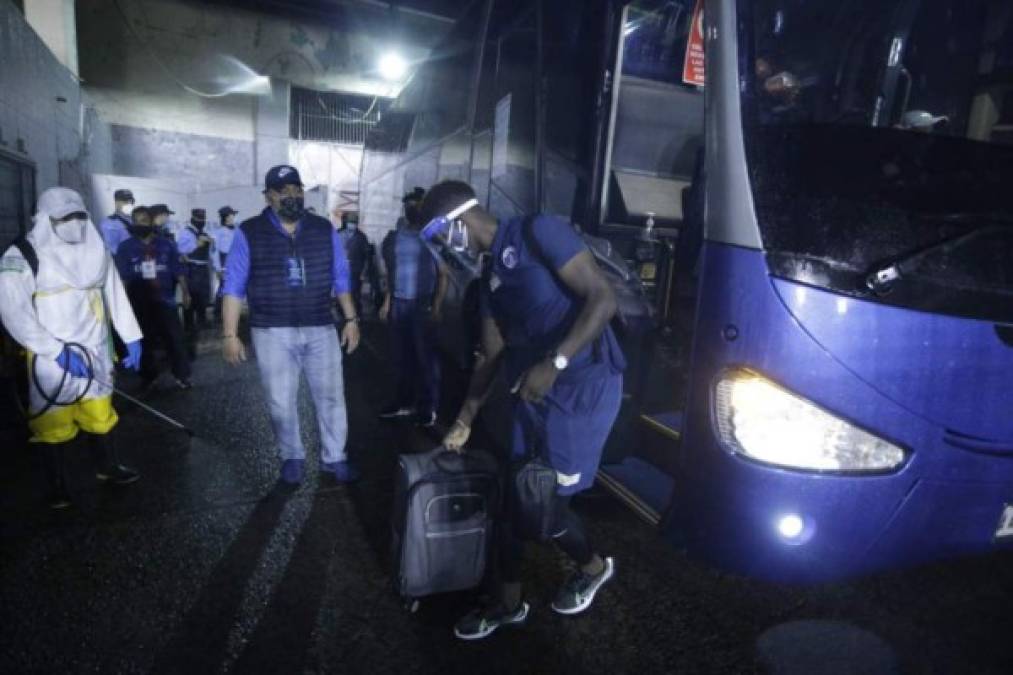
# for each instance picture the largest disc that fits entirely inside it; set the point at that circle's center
(71, 231)
(125, 209)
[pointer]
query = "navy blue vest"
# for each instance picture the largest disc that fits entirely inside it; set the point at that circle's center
(273, 302)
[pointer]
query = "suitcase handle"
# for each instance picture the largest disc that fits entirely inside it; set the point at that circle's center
(450, 461)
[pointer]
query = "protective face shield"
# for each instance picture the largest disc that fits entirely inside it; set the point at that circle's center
(451, 232)
(72, 229)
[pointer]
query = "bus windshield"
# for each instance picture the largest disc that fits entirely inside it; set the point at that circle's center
(876, 130)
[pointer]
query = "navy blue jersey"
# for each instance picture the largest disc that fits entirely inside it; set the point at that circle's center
(533, 309)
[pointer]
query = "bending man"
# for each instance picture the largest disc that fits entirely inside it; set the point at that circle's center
(546, 309)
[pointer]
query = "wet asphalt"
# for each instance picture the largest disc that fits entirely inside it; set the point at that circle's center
(205, 566)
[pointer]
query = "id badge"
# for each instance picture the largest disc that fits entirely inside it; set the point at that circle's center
(149, 269)
(296, 272)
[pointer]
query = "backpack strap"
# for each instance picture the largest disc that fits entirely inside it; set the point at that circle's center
(28, 252)
(528, 233)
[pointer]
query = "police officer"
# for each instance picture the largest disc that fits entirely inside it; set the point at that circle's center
(416, 286)
(114, 226)
(546, 309)
(150, 267)
(160, 220)
(223, 236)
(198, 250)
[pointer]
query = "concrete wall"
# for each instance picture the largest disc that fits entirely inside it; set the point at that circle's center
(54, 22)
(200, 162)
(40, 104)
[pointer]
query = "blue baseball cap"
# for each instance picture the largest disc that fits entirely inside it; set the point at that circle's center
(280, 176)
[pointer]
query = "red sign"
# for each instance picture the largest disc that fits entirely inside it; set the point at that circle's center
(693, 69)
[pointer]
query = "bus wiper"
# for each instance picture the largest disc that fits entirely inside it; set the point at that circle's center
(882, 279)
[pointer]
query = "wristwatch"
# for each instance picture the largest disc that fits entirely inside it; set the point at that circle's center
(560, 362)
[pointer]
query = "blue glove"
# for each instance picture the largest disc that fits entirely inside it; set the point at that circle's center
(133, 357)
(71, 361)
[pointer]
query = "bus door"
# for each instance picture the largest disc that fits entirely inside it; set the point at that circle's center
(647, 206)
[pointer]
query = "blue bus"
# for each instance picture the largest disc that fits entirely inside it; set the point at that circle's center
(818, 198)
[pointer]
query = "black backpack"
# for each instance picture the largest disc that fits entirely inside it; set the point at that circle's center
(13, 368)
(635, 313)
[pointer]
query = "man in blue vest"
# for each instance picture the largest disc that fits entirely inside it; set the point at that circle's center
(416, 286)
(289, 264)
(114, 226)
(546, 309)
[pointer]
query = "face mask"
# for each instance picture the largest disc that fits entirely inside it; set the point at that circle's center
(291, 208)
(142, 231)
(125, 209)
(71, 231)
(199, 226)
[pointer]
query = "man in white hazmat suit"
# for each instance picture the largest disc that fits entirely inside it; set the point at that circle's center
(59, 290)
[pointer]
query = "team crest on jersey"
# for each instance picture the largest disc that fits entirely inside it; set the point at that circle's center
(509, 257)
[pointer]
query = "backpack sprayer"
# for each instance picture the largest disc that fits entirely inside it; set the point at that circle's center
(52, 400)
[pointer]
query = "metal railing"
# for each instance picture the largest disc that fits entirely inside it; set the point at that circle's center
(334, 117)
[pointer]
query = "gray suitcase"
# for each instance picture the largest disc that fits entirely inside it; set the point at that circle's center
(445, 506)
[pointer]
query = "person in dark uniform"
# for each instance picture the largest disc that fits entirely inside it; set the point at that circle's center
(150, 267)
(546, 309)
(416, 286)
(357, 249)
(160, 219)
(197, 248)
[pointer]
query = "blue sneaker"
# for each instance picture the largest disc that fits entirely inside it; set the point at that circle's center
(343, 472)
(292, 471)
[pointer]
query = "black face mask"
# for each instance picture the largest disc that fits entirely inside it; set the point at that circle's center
(291, 208)
(199, 226)
(142, 231)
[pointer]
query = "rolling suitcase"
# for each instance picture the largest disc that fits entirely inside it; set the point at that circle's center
(445, 506)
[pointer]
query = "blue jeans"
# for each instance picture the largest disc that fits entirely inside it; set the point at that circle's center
(313, 351)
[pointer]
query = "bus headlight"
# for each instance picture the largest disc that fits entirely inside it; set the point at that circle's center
(765, 422)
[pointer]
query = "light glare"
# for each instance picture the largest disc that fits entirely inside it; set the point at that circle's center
(393, 67)
(791, 526)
